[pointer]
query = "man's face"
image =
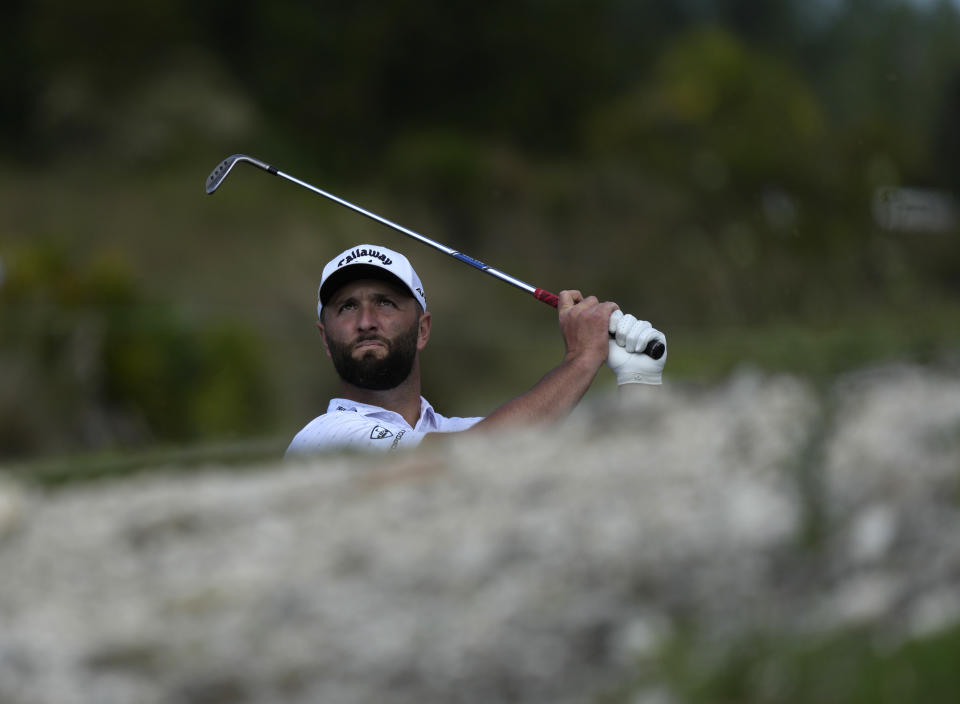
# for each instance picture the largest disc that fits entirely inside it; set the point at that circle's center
(372, 331)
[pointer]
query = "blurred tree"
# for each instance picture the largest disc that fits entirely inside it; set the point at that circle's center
(946, 139)
(87, 362)
(17, 81)
(347, 76)
(709, 91)
(342, 79)
(742, 136)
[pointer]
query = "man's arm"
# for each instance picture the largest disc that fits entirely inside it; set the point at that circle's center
(584, 323)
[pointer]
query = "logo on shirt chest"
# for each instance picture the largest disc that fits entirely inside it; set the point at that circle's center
(379, 433)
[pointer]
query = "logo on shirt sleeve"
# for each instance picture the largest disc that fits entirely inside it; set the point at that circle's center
(379, 433)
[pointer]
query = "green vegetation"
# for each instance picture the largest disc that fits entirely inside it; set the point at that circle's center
(820, 349)
(88, 360)
(725, 174)
(848, 667)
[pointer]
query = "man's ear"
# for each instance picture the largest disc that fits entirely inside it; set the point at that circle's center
(423, 333)
(323, 336)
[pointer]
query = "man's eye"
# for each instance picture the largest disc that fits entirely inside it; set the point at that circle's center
(387, 302)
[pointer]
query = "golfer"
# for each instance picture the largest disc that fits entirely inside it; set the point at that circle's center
(373, 321)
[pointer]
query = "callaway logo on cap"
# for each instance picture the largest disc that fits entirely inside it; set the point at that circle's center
(367, 261)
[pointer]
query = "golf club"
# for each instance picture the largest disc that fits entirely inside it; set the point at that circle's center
(655, 349)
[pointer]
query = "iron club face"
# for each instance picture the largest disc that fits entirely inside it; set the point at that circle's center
(220, 172)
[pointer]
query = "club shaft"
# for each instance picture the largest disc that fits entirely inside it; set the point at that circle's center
(475, 263)
(655, 349)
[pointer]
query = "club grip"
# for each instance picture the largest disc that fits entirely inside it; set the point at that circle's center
(549, 298)
(654, 350)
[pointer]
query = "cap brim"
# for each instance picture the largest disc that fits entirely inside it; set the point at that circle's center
(345, 275)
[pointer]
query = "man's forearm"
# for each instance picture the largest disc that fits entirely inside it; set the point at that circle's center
(584, 324)
(552, 398)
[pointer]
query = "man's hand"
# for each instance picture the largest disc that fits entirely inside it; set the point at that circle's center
(584, 323)
(625, 350)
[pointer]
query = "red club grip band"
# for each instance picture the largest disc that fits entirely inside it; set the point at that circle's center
(655, 349)
(549, 298)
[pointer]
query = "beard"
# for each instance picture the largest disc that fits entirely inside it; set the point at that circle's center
(372, 372)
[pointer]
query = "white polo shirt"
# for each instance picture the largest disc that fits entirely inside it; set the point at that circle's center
(351, 425)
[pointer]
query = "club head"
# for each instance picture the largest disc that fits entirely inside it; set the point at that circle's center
(219, 173)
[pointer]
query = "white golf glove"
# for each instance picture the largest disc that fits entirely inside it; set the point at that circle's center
(626, 357)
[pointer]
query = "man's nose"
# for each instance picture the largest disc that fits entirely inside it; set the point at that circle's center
(366, 320)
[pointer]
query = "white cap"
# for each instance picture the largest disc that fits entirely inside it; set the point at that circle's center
(367, 261)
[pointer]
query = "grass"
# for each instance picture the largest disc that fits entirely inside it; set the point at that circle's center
(848, 667)
(73, 468)
(822, 350)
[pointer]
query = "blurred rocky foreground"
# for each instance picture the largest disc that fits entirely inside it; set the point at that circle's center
(533, 567)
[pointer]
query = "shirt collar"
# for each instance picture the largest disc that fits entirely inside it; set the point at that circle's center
(426, 423)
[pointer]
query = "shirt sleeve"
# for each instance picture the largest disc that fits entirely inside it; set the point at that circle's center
(348, 430)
